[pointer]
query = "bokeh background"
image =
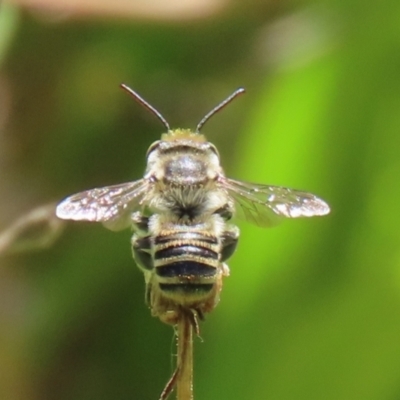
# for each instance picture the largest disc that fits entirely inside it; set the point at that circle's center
(312, 308)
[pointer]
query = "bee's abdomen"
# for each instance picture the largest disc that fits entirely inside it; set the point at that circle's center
(186, 262)
(188, 268)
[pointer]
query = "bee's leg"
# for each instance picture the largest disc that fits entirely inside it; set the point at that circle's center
(200, 314)
(141, 250)
(140, 223)
(147, 296)
(169, 387)
(225, 269)
(141, 241)
(195, 315)
(226, 212)
(229, 242)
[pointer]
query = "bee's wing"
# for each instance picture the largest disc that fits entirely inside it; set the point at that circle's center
(111, 205)
(264, 205)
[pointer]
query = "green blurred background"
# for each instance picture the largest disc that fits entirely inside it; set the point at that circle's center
(312, 308)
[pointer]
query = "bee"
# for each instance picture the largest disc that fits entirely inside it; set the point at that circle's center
(181, 215)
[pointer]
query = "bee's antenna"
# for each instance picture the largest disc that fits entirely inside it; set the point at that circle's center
(219, 107)
(145, 104)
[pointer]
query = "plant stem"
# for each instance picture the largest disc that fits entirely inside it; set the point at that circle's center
(185, 357)
(182, 378)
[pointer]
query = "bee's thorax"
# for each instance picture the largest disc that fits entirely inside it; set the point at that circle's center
(184, 173)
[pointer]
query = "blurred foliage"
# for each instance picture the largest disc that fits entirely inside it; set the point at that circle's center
(8, 25)
(312, 308)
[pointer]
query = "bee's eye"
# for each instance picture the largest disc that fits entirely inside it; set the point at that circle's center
(214, 149)
(152, 147)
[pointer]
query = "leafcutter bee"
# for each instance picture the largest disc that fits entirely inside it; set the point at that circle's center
(180, 213)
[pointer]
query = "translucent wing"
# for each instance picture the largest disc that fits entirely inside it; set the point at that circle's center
(111, 205)
(264, 205)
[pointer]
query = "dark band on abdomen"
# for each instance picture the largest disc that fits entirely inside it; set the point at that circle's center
(193, 288)
(186, 269)
(175, 251)
(185, 236)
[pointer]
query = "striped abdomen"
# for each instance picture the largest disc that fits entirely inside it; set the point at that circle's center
(186, 264)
